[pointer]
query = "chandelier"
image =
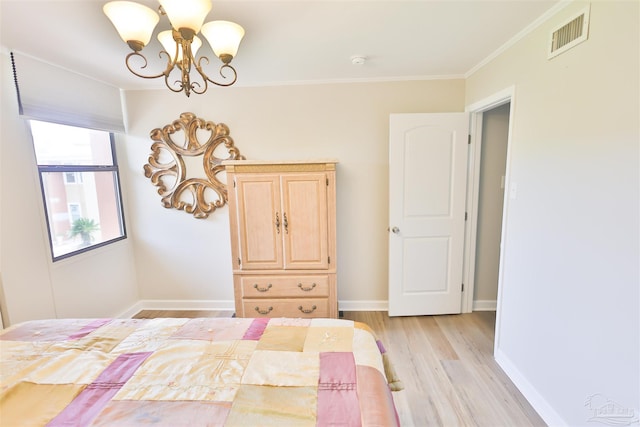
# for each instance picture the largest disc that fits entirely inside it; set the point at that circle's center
(135, 24)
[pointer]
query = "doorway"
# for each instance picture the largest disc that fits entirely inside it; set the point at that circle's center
(478, 110)
(493, 161)
(411, 294)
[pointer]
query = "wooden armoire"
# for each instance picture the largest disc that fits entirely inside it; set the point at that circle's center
(283, 237)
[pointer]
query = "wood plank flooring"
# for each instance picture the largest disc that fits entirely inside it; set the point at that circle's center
(446, 364)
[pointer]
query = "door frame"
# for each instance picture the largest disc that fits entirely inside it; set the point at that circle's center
(476, 111)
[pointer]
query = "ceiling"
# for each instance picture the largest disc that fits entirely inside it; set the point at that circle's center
(293, 41)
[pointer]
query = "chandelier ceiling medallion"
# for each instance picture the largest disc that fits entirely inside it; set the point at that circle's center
(135, 24)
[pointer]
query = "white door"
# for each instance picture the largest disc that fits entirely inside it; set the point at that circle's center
(427, 193)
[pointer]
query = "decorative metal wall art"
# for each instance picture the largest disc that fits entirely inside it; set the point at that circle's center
(167, 171)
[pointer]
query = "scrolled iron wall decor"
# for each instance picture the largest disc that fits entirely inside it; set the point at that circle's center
(170, 177)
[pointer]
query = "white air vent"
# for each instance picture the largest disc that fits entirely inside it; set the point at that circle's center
(571, 33)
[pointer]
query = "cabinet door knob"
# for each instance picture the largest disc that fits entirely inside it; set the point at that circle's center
(307, 289)
(307, 311)
(278, 222)
(395, 230)
(267, 311)
(285, 223)
(259, 289)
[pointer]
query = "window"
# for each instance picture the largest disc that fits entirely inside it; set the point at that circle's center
(80, 186)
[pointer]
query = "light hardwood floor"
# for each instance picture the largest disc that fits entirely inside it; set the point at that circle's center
(446, 364)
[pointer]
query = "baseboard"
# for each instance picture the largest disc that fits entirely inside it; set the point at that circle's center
(223, 305)
(358, 305)
(220, 305)
(485, 305)
(542, 407)
(130, 312)
(363, 305)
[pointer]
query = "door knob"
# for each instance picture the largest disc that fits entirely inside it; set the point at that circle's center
(395, 230)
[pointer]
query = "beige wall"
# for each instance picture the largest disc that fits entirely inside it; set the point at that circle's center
(181, 258)
(569, 303)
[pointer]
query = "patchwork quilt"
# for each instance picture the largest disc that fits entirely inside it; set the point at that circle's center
(195, 372)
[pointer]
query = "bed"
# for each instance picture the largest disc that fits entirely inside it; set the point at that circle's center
(193, 372)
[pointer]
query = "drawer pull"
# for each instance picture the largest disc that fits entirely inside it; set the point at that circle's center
(311, 310)
(306, 289)
(259, 289)
(267, 311)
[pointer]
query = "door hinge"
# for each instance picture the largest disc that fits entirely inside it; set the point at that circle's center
(462, 287)
(327, 182)
(239, 262)
(469, 140)
(234, 183)
(329, 260)
(465, 216)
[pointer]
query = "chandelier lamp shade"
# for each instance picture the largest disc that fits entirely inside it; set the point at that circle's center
(135, 24)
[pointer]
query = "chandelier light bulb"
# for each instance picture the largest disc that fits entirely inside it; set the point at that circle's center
(134, 22)
(224, 37)
(186, 13)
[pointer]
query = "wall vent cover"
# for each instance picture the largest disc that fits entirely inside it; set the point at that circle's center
(570, 33)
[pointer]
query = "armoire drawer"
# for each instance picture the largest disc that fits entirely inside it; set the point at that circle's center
(300, 307)
(315, 286)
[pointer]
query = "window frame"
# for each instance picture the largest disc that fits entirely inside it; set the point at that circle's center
(114, 169)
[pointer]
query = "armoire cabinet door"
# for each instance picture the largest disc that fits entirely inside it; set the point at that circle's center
(282, 221)
(304, 211)
(260, 224)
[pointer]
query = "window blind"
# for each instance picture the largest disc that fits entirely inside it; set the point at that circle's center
(49, 93)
